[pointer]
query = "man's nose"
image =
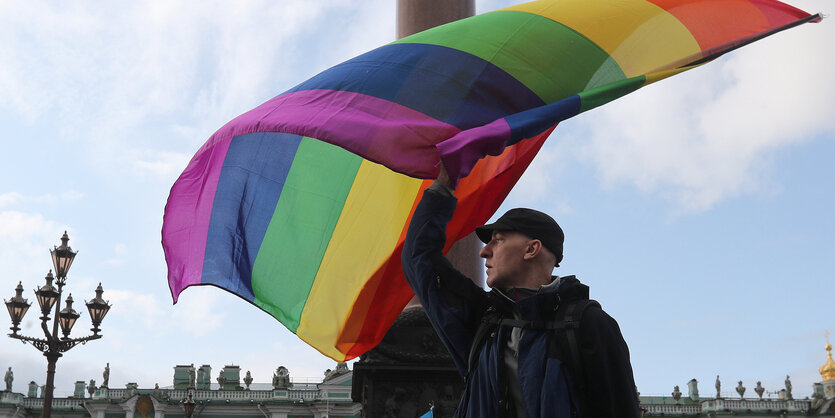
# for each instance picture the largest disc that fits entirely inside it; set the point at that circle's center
(484, 253)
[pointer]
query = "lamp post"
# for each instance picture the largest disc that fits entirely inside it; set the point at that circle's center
(49, 296)
(188, 405)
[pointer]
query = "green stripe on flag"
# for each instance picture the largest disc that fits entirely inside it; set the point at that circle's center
(598, 96)
(553, 60)
(305, 216)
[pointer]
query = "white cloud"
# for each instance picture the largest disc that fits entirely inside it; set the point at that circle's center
(119, 250)
(15, 198)
(543, 175)
(8, 199)
(543, 172)
(113, 262)
(179, 73)
(134, 306)
(709, 134)
(193, 315)
(196, 314)
(71, 195)
(158, 165)
(28, 236)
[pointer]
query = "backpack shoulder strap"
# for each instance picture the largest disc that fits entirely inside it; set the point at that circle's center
(489, 322)
(566, 327)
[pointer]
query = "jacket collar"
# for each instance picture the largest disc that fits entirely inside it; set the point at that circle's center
(543, 300)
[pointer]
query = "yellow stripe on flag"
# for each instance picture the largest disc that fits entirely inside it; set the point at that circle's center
(639, 36)
(660, 75)
(365, 235)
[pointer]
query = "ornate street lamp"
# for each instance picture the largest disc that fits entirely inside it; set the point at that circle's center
(98, 309)
(67, 318)
(62, 258)
(17, 307)
(188, 405)
(49, 297)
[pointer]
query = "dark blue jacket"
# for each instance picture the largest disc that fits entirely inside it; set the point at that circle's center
(455, 307)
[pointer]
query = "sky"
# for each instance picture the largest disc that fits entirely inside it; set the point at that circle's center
(699, 209)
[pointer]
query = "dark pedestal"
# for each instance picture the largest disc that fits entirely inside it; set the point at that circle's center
(406, 372)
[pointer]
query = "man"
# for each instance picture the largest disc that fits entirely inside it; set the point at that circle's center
(510, 343)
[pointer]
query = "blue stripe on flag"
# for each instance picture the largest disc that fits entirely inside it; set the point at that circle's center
(447, 84)
(250, 184)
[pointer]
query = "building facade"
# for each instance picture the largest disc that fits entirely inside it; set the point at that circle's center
(725, 404)
(231, 396)
(388, 386)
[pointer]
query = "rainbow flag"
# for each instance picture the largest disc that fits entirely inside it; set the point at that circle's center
(300, 206)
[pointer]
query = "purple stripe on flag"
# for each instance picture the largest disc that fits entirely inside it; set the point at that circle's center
(461, 152)
(187, 215)
(385, 132)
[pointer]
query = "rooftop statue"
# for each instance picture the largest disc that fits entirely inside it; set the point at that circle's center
(740, 390)
(759, 389)
(341, 368)
(91, 388)
(106, 376)
(191, 377)
(281, 378)
(9, 378)
(248, 379)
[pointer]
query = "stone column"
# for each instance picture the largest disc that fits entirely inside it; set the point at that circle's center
(410, 367)
(97, 410)
(414, 16)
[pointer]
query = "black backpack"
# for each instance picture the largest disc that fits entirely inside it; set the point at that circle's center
(564, 343)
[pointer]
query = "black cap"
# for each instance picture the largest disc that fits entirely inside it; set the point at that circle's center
(530, 222)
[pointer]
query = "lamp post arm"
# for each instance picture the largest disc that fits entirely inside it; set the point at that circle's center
(41, 344)
(66, 345)
(60, 346)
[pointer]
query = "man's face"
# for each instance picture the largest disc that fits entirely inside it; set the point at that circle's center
(504, 259)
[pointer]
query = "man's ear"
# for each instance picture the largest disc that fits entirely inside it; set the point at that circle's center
(533, 249)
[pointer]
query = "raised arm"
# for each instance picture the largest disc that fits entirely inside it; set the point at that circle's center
(453, 303)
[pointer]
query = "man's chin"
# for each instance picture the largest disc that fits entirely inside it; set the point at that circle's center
(494, 283)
